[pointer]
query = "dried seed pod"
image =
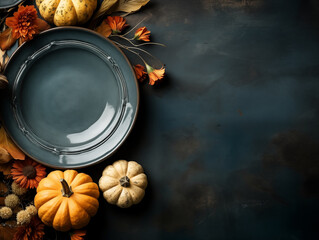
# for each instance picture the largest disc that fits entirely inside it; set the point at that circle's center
(31, 209)
(11, 201)
(23, 217)
(5, 212)
(17, 189)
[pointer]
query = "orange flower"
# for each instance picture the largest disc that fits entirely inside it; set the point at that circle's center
(78, 234)
(27, 173)
(139, 72)
(154, 74)
(25, 23)
(32, 231)
(116, 23)
(142, 34)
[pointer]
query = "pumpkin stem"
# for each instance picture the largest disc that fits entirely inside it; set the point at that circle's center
(125, 181)
(66, 189)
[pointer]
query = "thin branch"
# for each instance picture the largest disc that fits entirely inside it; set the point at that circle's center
(135, 26)
(121, 36)
(142, 50)
(149, 43)
(127, 48)
(146, 52)
(137, 45)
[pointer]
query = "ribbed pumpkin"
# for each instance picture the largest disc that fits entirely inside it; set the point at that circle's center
(67, 199)
(123, 183)
(66, 12)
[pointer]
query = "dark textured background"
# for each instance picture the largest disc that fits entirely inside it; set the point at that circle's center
(230, 139)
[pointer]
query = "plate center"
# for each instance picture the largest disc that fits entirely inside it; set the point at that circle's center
(69, 97)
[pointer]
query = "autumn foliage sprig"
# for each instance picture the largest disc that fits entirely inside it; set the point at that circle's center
(22, 26)
(112, 27)
(25, 24)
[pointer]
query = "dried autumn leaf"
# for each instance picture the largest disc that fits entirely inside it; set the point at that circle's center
(7, 144)
(7, 233)
(4, 156)
(6, 59)
(3, 81)
(5, 168)
(111, 6)
(6, 39)
(20, 41)
(104, 29)
(104, 9)
(2, 55)
(129, 5)
(3, 59)
(78, 234)
(3, 190)
(42, 25)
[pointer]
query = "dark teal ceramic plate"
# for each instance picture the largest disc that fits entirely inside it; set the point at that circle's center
(72, 99)
(9, 3)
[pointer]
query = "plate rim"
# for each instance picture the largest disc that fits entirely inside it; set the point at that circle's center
(119, 144)
(11, 5)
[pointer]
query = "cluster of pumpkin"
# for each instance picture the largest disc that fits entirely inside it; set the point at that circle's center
(69, 199)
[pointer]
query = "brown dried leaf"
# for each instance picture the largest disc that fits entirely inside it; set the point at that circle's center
(6, 59)
(3, 81)
(7, 233)
(42, 25)
(4, 156)
(2, 55)
(104, 29)
(5, 168)
(6, 39)
(104, 9)
(2, 201)
(111, 6)
(3, 190)
(7, 144)
(20, 41)
(129, 5)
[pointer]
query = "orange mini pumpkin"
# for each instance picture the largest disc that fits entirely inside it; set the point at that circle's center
(67, 200)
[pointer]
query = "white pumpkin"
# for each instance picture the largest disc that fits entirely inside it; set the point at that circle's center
(123, 183)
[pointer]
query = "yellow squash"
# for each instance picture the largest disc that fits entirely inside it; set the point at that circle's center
(66, 12)
(67, 200)
(123, 183)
